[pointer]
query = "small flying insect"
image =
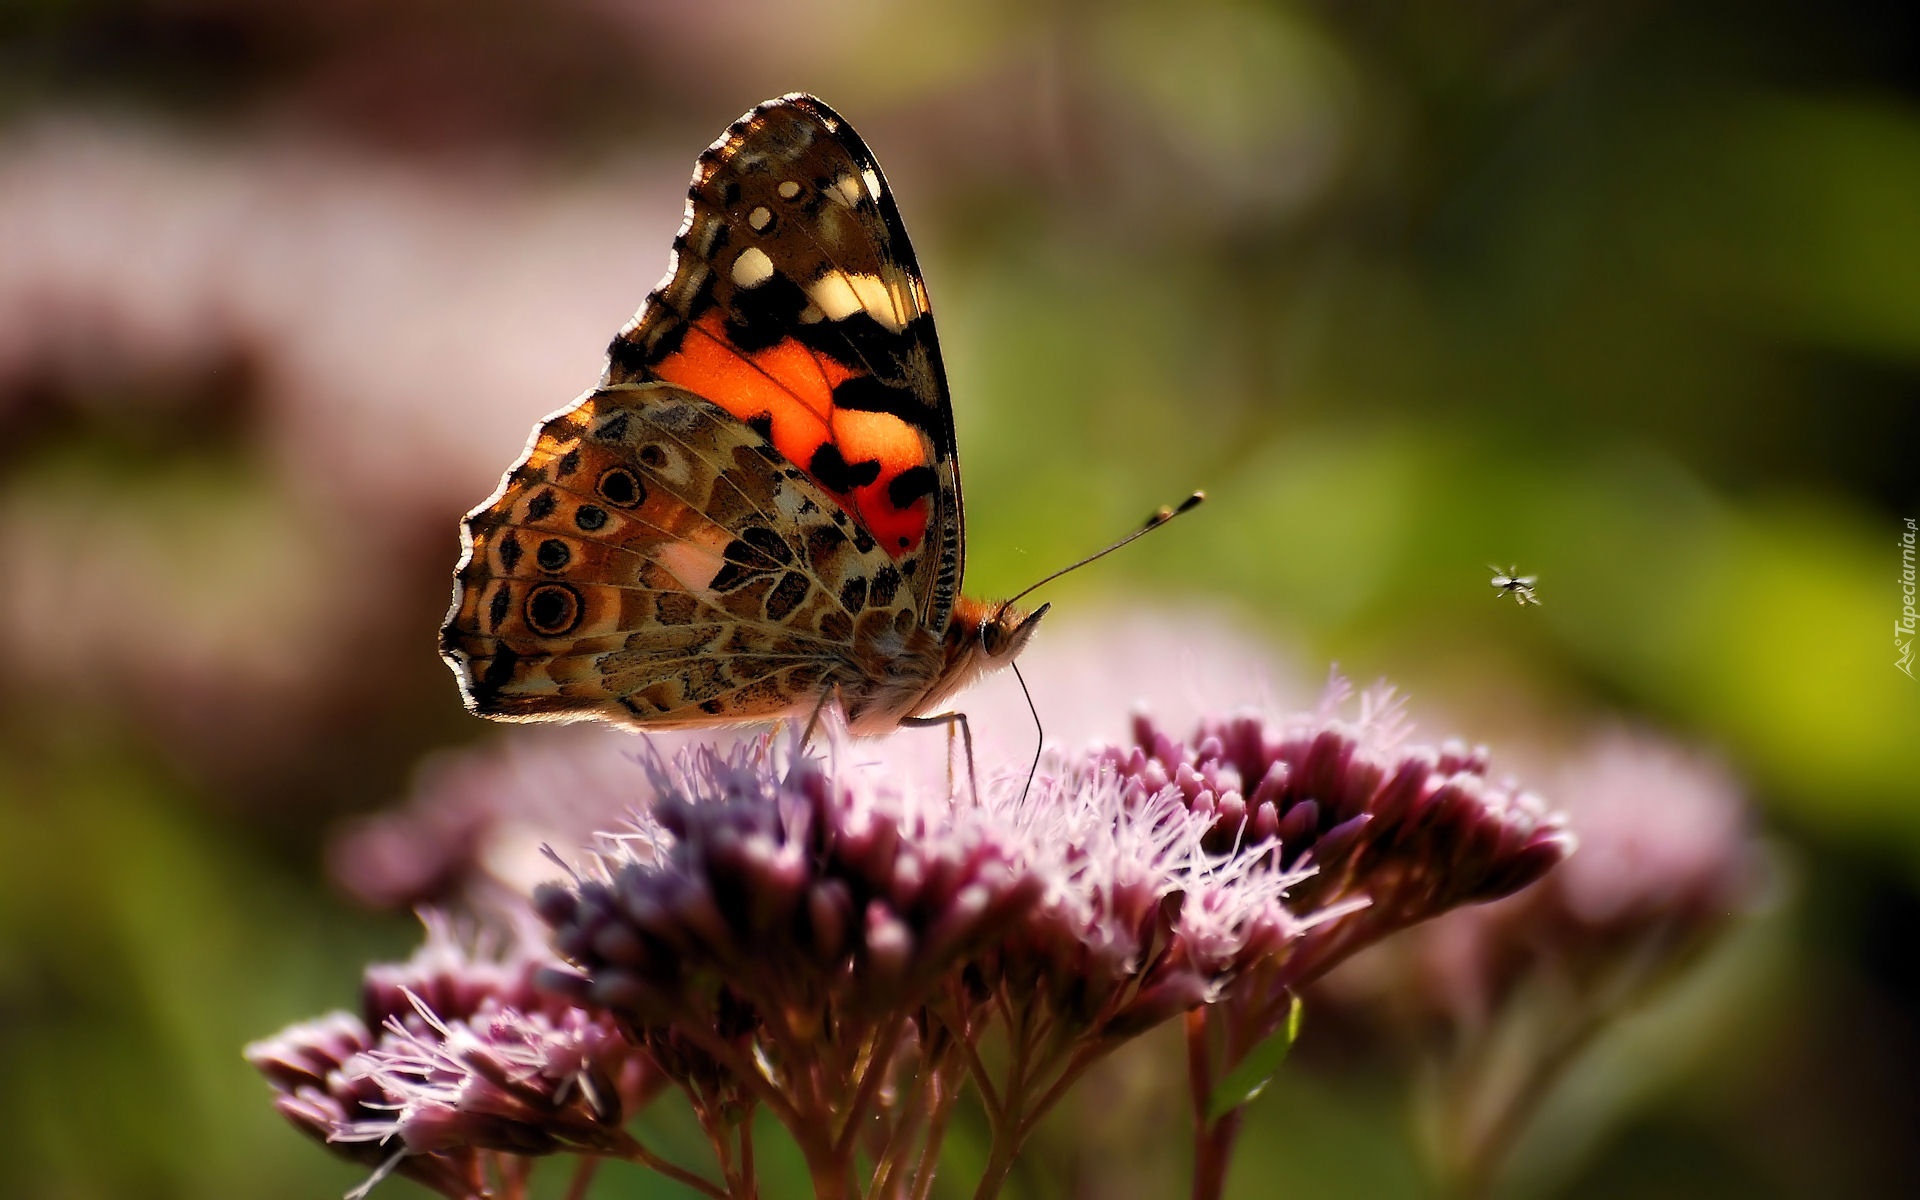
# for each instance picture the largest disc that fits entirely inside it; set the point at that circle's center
(1511, 583)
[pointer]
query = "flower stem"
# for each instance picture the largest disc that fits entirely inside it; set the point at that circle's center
(634, 1151)
(879, 1064)
(1482, 1146)
(999, 1163)
(1212, 1052)
(920, 1106)
(944, 1097)
(1213, 1153)
(1007, 1129)
(830, 1179)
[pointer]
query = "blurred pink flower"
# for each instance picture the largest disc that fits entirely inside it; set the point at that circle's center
(1668, 858)
(1499, 1000)
(477, 818)
(387, 336)
(1666, 830)
(407, 325)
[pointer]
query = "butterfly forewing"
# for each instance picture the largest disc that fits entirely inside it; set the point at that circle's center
(795, 303)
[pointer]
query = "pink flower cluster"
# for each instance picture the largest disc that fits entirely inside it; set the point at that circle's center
(454, 1060)
(816, 936)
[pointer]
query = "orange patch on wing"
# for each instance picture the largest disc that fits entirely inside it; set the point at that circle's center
(794, 388)
(786, 381)
(896, 446)
(883, 437)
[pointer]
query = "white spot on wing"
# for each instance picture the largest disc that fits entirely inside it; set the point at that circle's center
(693, 564)
(849, 190)
(840, 294)
(759, 217)
(752, 268)
(789, 189)
(872, 179)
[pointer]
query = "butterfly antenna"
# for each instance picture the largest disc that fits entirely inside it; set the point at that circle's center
(1153, 522)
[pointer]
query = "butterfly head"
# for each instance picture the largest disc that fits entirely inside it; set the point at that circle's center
(982, 637)
(1005, 630)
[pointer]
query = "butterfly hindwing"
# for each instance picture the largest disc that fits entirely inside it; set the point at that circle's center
(655, 559)
(794, 302)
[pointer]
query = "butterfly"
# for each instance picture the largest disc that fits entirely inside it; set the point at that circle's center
(758, 508)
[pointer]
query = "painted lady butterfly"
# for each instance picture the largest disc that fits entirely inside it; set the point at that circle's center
(758, 509)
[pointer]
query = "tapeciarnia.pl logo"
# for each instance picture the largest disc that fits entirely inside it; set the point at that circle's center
(1903, 627)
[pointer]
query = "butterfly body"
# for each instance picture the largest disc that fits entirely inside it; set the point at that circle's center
(758, 509)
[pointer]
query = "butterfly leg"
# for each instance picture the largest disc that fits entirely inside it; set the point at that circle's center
(813, 722)
(950, 720)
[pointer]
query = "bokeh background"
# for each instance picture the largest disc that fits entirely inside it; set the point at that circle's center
(1626, 292)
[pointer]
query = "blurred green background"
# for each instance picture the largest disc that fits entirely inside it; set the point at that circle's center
(1626, 293)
